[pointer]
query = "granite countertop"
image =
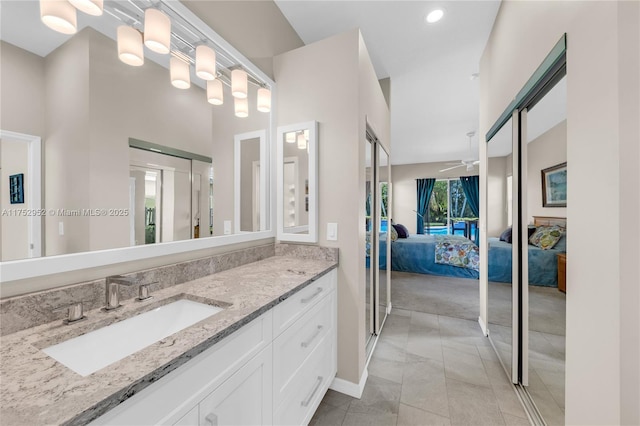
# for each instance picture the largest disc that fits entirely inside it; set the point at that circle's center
(36, 389)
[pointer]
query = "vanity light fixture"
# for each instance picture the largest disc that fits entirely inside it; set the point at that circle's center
(205, 62)
(302, 142)
(179, 71)
(215, 94)
(241, 106)
(290, 137)
(239, 83)
(130, 50)
(435, 15)
(59, 15)
(157, 31)
(90, 7)
(264, 99)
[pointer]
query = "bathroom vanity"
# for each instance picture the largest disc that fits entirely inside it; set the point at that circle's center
(267, 357)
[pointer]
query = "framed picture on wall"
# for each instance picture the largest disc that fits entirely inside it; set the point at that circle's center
(554, 186)
(16, 188)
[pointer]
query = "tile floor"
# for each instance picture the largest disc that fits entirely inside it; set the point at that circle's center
(428, 369)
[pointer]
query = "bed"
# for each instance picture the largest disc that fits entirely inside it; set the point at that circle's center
(417, 254)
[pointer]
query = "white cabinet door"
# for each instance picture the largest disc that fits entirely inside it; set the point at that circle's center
(245, 398)
(189, 419)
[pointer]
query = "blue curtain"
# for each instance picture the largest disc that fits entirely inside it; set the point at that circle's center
(471, 188)
(425, 189)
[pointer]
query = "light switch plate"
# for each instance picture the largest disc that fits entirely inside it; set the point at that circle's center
(332, 231)
(227, 227)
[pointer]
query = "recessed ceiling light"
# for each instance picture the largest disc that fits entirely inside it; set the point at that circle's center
(435, 16)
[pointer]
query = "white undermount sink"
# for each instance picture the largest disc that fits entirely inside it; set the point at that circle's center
(95, 350)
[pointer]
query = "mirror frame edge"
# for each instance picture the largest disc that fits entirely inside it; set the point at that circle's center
(312, 236)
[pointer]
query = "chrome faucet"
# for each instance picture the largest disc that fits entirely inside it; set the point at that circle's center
(112, 293)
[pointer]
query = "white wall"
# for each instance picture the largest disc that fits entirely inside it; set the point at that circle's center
(309, 88)
(602, 67)
(547, 150)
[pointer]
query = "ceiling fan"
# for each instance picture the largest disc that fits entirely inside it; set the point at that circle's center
(469, 164)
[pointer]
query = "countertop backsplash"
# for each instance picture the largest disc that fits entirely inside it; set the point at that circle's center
(30, 310)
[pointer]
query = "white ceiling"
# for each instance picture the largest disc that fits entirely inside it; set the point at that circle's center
(434, 102)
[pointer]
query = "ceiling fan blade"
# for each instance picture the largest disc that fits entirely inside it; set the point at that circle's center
(451, 168)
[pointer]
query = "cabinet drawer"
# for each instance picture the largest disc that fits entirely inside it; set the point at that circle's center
(244, 399)
(293, 346)
(190, 419)
(308, 386)
(287, 312)
(175, 394)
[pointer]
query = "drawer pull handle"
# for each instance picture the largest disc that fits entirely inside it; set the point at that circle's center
(313, 392)
(313, 296)
(211, 419)
(312, 338)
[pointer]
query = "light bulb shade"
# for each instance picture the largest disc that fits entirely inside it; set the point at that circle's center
(302, 142)
(290, 137)
(179, 71)
(130, 50)
(90, 7)
(215, 93)
(59, 15)
(241, 107)
(264, 100)
(205, 62)
(239, 84)
(157, 31)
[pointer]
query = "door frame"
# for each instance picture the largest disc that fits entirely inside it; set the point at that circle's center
(34, 188)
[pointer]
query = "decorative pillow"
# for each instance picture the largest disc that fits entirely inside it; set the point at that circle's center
(545, 237)
(394, 233)
(506, 235)
(402, 230)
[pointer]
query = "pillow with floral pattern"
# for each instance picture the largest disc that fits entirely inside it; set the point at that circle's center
(546, 237)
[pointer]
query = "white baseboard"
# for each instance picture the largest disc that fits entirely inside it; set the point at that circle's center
(483, 326)
(349, 388)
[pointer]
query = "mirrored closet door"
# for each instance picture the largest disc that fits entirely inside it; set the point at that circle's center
(377, 230)
(535, 204)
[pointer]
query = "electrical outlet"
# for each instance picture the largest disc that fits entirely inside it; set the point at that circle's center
(227, 227)
(61, 228)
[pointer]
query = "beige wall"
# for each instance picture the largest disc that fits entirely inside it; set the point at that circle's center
(547, 150)
(404, 187)
(602, 62)
(308, 89)
(256, 28)
(22, 107)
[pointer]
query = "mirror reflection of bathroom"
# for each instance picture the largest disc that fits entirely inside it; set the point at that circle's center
(546, 211)
(170, 197)
(296, 182)
(85, 134)
(499, 224)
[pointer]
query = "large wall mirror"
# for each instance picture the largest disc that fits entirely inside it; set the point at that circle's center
(86, 104)
(297, 179)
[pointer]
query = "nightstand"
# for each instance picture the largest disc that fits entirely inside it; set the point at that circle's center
(562, 272)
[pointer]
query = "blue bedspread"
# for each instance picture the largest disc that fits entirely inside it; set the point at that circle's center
(417, 254)
(543, 264)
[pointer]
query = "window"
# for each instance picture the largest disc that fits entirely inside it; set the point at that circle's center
(448, 208)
